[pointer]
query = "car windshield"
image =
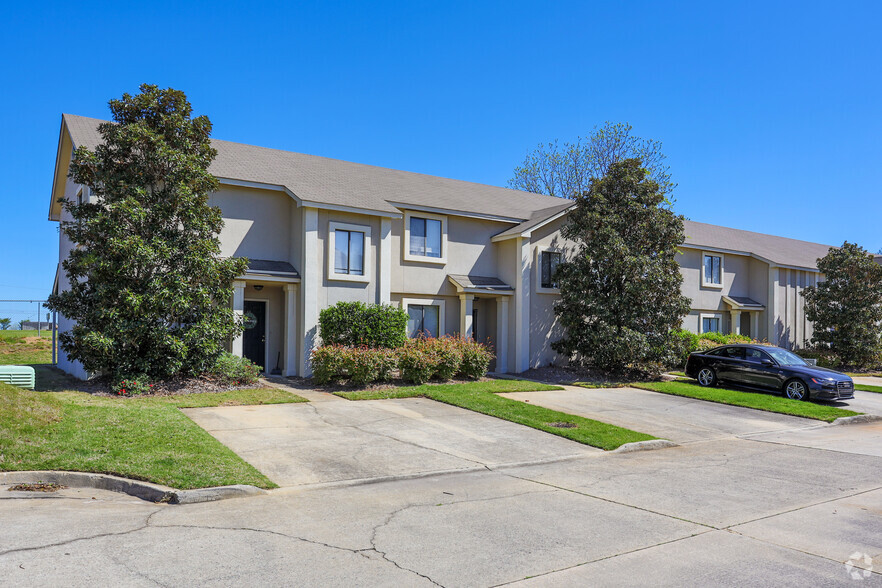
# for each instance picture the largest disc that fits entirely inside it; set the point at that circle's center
(784, 357)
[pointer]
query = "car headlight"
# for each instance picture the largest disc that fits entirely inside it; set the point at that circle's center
(824, 381)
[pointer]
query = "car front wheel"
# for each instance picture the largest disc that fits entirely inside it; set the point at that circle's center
(796, 390)
(707, 377)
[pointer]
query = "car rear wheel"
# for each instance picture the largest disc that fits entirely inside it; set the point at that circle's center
(707, 377)
(796, 390)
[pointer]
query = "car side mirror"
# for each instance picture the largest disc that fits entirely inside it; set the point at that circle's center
(767, 362)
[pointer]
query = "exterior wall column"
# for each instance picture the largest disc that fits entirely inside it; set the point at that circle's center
(754, 324)
(736, 322)
(239, 313)
(384, 268)
(290, 330)
(522, 306)
(466, 306)
(311, 277)
(502, 334)
(772, 306)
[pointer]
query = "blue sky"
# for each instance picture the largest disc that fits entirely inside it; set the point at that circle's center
(769, 112)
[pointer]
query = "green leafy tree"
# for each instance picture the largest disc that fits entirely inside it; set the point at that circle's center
(567, 169)
(846, 308)
(5, 323)
(149, 292)
(620, 286)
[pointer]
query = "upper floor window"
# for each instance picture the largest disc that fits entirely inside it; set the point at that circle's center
(549, 261)
(425, 237)
(349, 252)
(712, 270)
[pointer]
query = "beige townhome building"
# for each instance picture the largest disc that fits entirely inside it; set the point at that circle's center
(458, 257)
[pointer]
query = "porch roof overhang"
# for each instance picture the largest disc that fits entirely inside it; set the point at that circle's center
(742, 303)
(480, 285)
(271, 271)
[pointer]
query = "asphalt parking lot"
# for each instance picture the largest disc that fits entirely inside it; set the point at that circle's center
(730, 508)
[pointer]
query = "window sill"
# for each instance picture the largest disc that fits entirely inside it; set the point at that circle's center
(541, 290)
(423, 259)
(713, 286)
(349, 278)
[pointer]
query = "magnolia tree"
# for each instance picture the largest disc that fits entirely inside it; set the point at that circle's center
(620, 287)
(846, 307)
(148, 290)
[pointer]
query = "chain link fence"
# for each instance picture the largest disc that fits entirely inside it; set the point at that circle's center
(25, 315)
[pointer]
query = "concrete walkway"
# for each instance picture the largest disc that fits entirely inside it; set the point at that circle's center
(679, 419)
(332, 440)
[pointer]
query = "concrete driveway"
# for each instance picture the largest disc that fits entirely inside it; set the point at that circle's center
(682, 420)
(331, 440)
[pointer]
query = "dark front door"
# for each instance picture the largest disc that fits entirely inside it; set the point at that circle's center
(254, 338)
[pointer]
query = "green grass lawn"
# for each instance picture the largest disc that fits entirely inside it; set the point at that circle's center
(481, 397)
(144, 438)
(756, 400)
(868, 388)
(25, 347)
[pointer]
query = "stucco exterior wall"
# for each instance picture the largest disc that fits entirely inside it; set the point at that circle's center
(544, 325)
(65, 246)
(257, 223)
(336, 290)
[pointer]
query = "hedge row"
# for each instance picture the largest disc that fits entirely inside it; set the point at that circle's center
(356, 324)
(702, 342)
(417, 360)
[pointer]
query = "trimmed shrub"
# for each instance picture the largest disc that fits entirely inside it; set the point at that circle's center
(329, 363)
(356, 324)
(416, 362)
(826, 357)
(689, 342)
(235, 371)
(364, 365)
(448, 355)
(476, 359)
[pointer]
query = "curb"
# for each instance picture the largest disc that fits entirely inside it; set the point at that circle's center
(645, 446)
(143, 490)
(857, 419)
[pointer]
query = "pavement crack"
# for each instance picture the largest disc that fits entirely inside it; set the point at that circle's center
(77, 539)
(382, 554)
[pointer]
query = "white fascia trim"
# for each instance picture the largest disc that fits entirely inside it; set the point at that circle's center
(439, 302)
(448, 211)
(266, 278)
(722, 257)
(52, 195)
(405, 242)
(748, 254)
(332, 237)
(537, 263)
(309, 203)
(704, 315)
(529, 232)
(259, 186)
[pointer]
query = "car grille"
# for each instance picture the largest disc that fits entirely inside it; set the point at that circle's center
(843, 385)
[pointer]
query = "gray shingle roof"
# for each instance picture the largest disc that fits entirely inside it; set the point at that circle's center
(745, 302)
(333, 182)
(536, 219)
(267, 267)
(479, 282)
(779, 250)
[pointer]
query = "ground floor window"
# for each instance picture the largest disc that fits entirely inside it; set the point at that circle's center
(423, 319)
(710, 325)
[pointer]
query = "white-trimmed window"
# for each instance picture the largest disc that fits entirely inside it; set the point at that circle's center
(425, 237)
(547, 261)
(712, 270)
(349, 252)
(710, 323)
(424, 317)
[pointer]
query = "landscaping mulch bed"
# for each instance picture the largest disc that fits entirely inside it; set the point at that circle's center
(307, 384)
(37, 487)
(171, 387)
(567, 375)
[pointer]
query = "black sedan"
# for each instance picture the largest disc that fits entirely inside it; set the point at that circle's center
(771, 368)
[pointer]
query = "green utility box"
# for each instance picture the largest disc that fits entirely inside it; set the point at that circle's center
(22, 376)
